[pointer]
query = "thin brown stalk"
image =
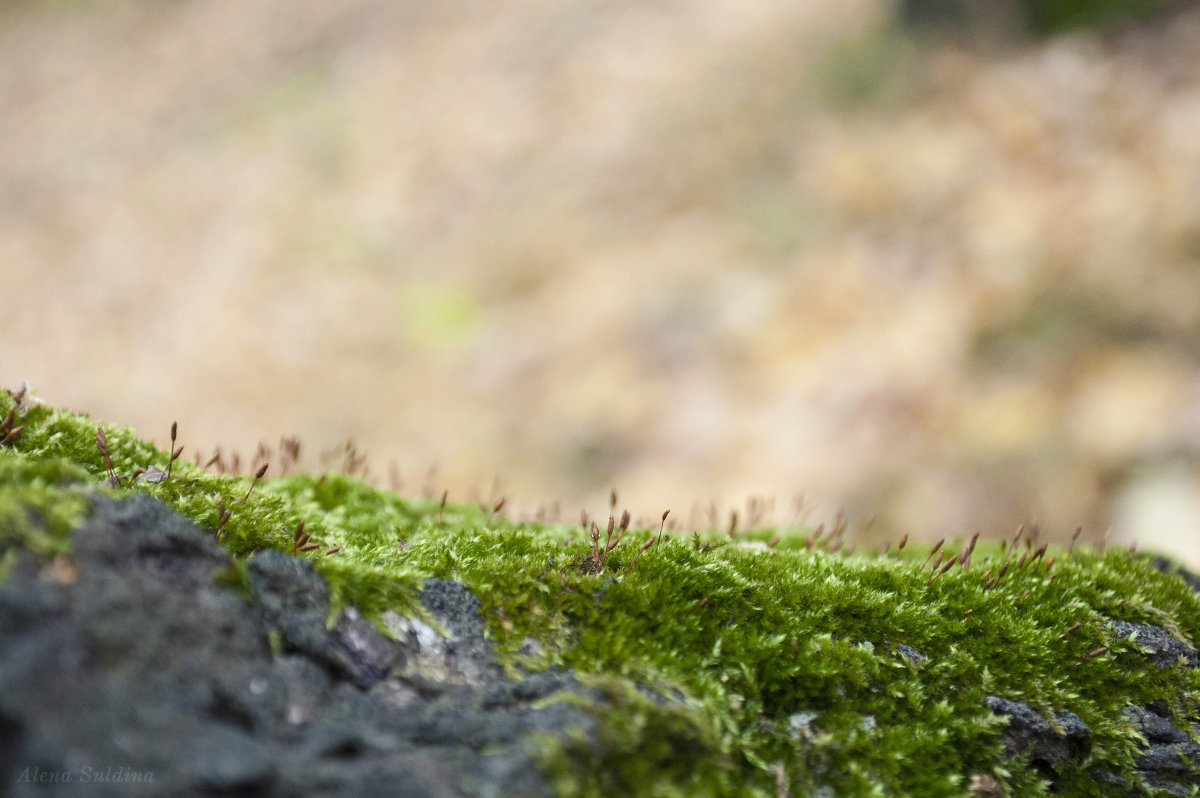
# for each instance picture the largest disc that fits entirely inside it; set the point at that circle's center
(1074, 627)
(300, 540)
(257, 476)
(222, 518)
(495, 509)
(174, 452)
(1075, 537)
(933, 551)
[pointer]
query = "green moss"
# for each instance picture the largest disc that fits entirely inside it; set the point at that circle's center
(720, 667)
(41, 501)
(642, 747)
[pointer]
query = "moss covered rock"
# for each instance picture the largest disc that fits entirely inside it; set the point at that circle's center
(192, 628)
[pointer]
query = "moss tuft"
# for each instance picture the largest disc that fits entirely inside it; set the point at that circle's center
(41, 501)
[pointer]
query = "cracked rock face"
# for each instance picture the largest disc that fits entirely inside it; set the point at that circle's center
(143, 677)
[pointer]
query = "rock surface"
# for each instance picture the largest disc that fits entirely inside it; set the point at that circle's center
(134, 674)
(1047, 745)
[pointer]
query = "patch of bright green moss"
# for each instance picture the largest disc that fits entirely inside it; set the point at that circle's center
(723, 669)
(40, 503)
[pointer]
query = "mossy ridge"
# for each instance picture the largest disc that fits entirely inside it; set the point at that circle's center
(778, 661)
(258, 519)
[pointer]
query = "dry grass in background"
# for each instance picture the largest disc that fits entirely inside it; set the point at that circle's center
(695, 250)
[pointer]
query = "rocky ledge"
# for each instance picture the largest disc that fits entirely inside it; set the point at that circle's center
(132, 671)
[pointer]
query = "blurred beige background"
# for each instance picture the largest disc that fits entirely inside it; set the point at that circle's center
(697, 251)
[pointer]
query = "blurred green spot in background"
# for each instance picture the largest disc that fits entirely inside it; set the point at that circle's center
(439, 315)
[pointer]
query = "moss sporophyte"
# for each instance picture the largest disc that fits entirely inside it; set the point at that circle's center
(756, 663)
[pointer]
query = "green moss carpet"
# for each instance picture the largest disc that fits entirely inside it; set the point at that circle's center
(759, 663)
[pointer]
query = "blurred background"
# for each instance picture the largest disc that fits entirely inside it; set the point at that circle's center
(935, 264)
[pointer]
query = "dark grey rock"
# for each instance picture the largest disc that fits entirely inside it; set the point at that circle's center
(292, 597)
(150, 679)
(1162, 649)
(295, 600)
(911, 654)
(1154, 727)
(1103, 776)
(1167, 785)
(370, 655)
(225, 759)
(448, 647)
(466, 650)
(1031, 735)
(1170, 760)
(1169, 757)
